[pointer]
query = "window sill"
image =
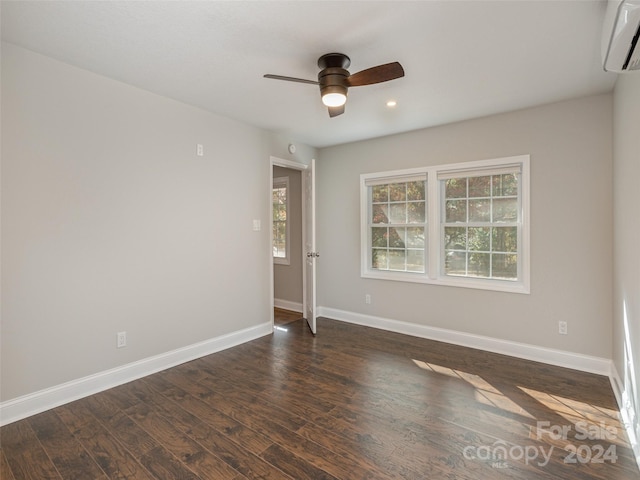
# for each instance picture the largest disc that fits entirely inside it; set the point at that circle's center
(281, 261)
(460, 282)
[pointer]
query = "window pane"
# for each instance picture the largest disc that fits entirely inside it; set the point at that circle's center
(380, 193)
(415, 237)
(380, 214)
(397, 192)
(456, 188)
(415, 261)
(455, 263)
(479, 238)
(396, 237)
(398, 213)
(492, 200)
(415, 212)
(505, 210)
(379, 237)
(415, 191)
(479, 210)
(279, 195)
(395, 246)
(504, 185)
(279, 239)
(455, 238)
(479, 265)
(456, 211)
(504, 266)
(397, 259)
(379, 259)
(505, 239)
(480, 186)
(279, 212)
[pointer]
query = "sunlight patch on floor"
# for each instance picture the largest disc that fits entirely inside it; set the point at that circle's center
(485, 393)
(583, 419)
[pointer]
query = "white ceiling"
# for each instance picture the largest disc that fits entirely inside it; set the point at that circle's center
(462, 59)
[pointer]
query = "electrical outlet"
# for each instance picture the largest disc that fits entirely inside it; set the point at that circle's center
(122, 339)
(562, 328)
(367, 299)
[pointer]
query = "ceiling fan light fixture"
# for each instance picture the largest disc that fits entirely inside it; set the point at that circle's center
(334, 99)
(334, 95)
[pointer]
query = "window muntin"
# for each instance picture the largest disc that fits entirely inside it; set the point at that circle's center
(475, 232)
(280, 220)
(480, 226)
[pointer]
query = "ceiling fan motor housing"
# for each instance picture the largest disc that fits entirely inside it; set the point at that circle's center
(330, 60)
(333, 80)
(333, 76)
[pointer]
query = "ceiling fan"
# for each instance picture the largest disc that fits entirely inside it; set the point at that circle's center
(334, 79)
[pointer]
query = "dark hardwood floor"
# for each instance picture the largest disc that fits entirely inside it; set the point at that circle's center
(349, 403)
(282, 316)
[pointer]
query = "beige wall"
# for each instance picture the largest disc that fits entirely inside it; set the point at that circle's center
(110, 222)
(626, 296)
(570, 144)
(287, 279)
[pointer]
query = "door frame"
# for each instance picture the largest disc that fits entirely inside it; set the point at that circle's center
(294, 165)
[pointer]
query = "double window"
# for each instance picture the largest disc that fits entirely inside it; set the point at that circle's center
(461, 225)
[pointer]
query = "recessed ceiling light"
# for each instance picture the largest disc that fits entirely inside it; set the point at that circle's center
(391, 103)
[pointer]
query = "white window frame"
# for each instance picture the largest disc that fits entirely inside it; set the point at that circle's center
(280, 182)
(434, 268)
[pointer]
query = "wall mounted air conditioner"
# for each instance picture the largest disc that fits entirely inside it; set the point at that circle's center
(620, 45)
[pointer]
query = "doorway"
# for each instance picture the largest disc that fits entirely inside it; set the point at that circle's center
(287, 245)
(307, 255)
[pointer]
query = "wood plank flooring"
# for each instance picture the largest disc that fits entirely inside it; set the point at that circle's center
(282, 316)
(350, 403)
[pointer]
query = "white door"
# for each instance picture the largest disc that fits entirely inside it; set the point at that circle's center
(309, 284)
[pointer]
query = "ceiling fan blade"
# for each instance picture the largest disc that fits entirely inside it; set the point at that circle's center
(335, 111)
(291, 79)
(379, 74)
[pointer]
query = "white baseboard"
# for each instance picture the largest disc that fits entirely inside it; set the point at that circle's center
(287, 305)
(576, 361)
(627, 412)
(31, 404)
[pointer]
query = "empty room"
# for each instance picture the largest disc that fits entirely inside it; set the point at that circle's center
(320, 240)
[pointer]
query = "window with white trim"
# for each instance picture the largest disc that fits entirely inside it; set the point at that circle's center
(463, 225)
(280, 220)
